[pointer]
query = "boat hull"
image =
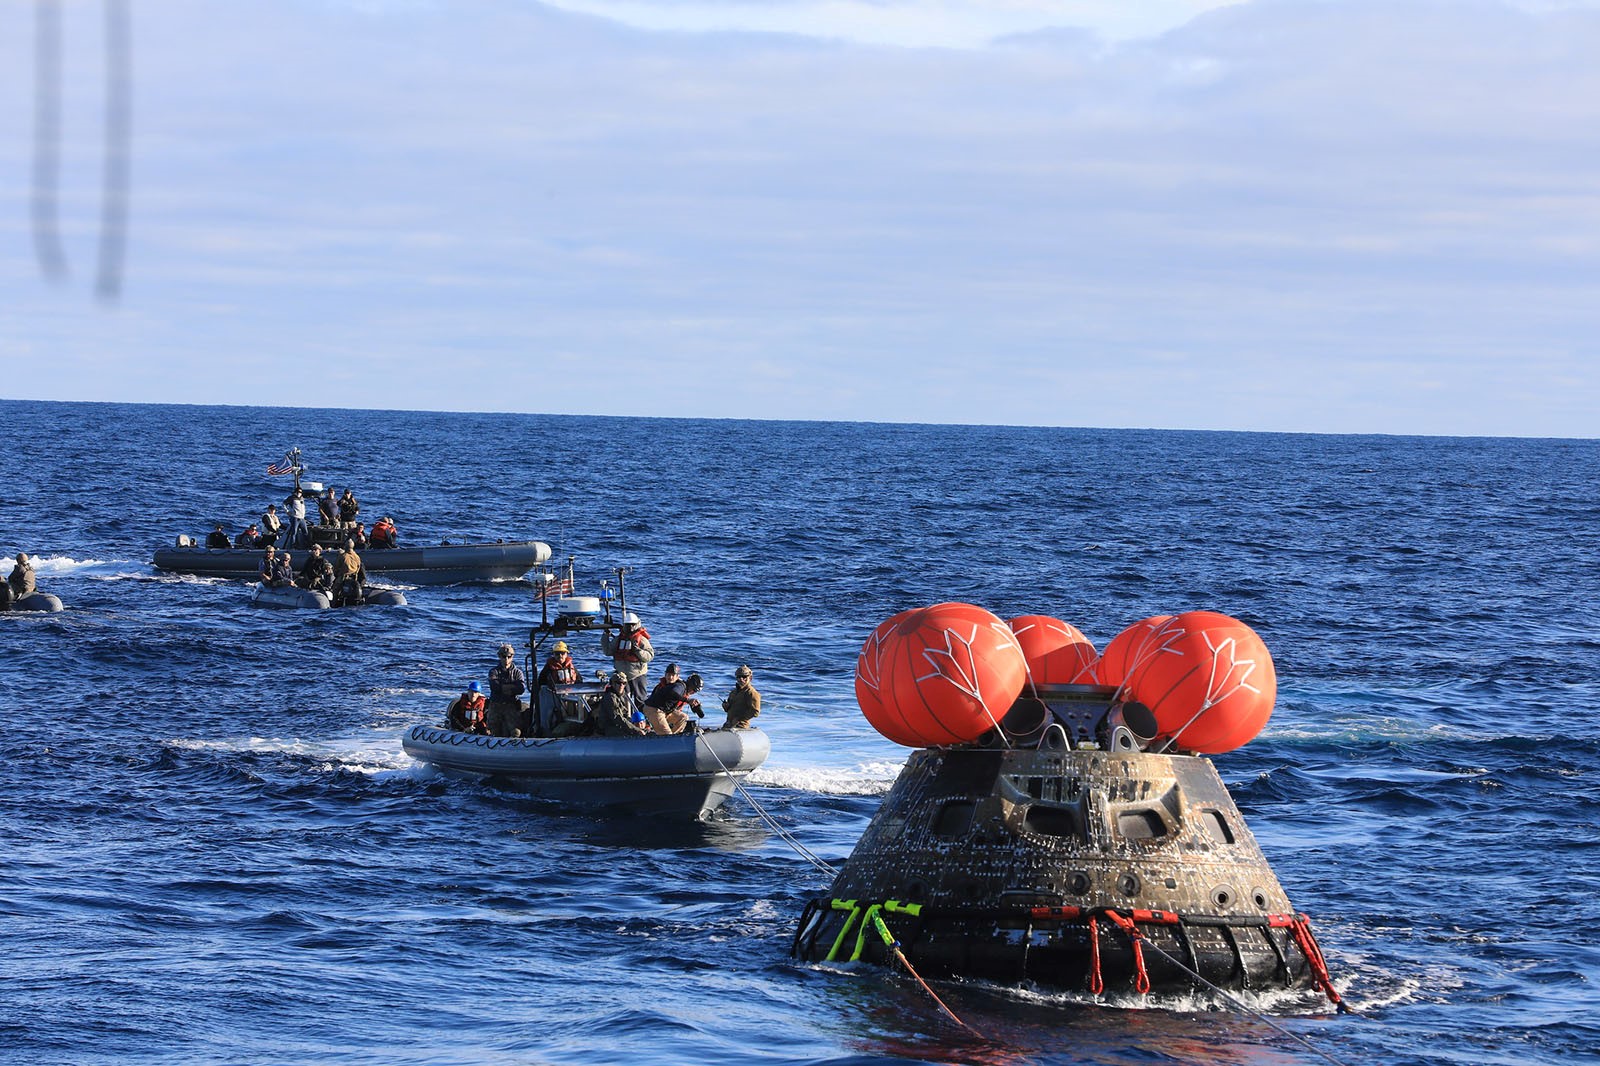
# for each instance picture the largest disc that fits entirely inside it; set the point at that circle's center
(669, 777)
(44, 602)
(442, 564)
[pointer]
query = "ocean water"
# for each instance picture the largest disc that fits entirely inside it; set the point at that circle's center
(214, 849)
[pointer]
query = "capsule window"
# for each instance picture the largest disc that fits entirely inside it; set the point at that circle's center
(1140, 825)
(1217, 826)
(954, 818)
(1052, 821)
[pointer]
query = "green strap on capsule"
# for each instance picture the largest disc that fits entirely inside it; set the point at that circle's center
(849, 923)
(870, 918)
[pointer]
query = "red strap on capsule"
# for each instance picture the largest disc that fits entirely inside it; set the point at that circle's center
(1141, 976)
(1313, 953)
(1059, 914)
(1097, 981)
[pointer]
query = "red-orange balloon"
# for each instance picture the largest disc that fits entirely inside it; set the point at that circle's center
(1057, 652)
(939, 675)
(871, 693)
(1209, 680)
(1126, 650)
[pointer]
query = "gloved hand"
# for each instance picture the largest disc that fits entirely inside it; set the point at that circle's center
(695, 706)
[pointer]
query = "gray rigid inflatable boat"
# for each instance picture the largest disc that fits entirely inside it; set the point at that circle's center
(672, 777)
(441, 564)
(264, 596)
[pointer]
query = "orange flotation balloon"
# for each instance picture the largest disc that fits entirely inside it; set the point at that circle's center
(944, 674)
(1208, 679)
(1057, 652)
(1125, 650)
(871, 693)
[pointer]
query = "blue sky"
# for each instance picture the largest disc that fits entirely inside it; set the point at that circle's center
(1279, 215)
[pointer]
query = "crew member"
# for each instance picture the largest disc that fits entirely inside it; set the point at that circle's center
(743, 703)
(299, 534)
(270, 526)
(667, 709)
(384, 534)
(466, 712)
(349, 577)
(327, 510)
(630, 652)
(615, 716)
(217, 538)
(249, 537)
(506, 684)
(559, 669)
(21, 582)
(317, 574)
(348, 508)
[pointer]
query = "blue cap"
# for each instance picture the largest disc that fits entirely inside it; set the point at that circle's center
(474, 687)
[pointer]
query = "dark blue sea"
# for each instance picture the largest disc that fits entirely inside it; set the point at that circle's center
(215, 851)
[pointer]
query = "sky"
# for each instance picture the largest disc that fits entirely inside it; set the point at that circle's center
(1275, 215)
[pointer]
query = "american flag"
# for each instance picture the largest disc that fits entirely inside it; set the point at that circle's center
(556, 586)
(278, 469)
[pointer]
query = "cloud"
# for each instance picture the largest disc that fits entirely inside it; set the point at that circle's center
(1286, 215)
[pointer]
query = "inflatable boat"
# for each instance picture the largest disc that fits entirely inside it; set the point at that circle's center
(36, 601)
(265, 596)
(685, 776)
(440, 564)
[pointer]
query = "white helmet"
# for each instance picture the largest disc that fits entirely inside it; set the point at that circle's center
(630, 619)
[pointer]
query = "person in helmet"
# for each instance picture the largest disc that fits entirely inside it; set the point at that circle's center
(467, 711)
(630, 651)
(21, 581)
(615, 715)
(559, 669)
(667, 710)
(506, 685)
(218, 538)
(743, 703)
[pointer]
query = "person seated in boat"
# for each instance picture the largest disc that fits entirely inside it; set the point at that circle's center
(630, 652)
(349, 577)
(358, 534)
(743, 703)
(21, 581)
(277, 569)
(466, 713)
(506, 685)
(249, 537)
(559, 669)
(218, 538)
(669, 713)
(270, 525)
(614, 715)
(317, 574)
(384, 534)
(327, 509)
(348, 509)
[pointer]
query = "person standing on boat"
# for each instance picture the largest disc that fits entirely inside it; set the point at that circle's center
(299, 534)
(615, 716)
(348, 508)
(270, 526)
(743, 703)
(506, 684)
(327, 510)
(630, 652)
